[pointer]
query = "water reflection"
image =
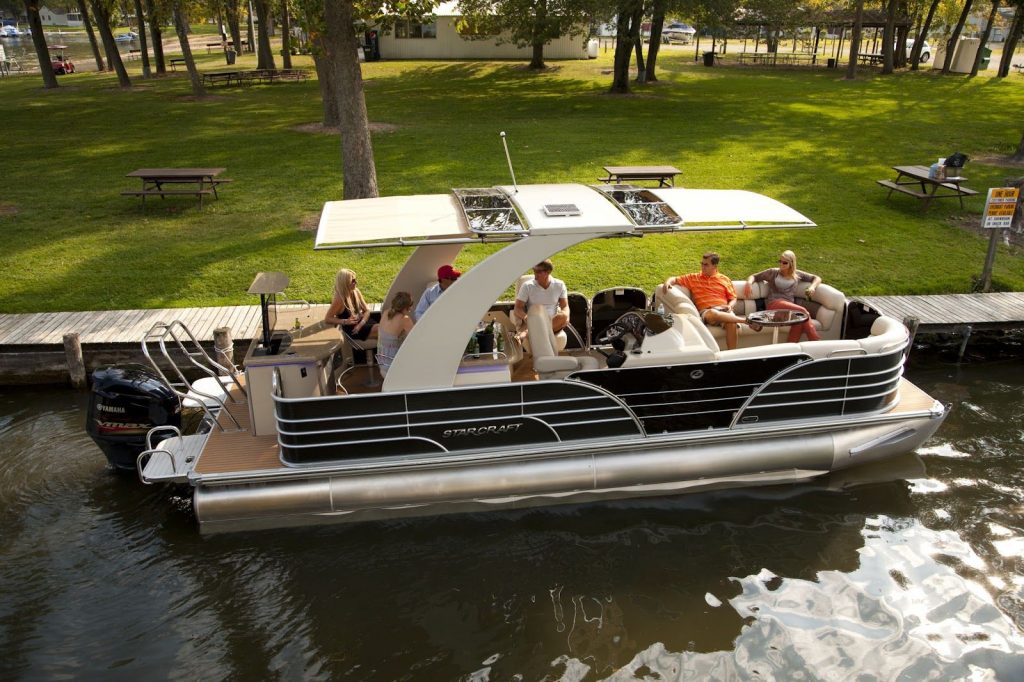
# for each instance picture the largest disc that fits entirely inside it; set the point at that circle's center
(885, 571)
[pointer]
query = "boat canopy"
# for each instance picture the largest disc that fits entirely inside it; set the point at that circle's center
(509, 213)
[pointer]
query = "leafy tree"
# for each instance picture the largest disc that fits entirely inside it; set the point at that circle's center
(1012, 38)
(155, 12)
(627, 34)
(955, 36)
(984, 38)
(143, 46)
(101, 10)
(286, 35)
(858, 25)
(526, 23)
(264, 53)
(915, 55)
(182, 29)
(84, 11)
(39, 42)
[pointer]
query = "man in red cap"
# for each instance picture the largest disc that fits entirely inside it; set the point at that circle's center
(446, 276)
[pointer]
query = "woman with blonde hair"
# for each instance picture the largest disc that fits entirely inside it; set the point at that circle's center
(782, 291)
(348, 308)
(395, 325)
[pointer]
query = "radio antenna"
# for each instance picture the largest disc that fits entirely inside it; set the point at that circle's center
(510, 169)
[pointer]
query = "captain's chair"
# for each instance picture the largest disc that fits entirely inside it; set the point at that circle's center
(560, 338)
(546, 361)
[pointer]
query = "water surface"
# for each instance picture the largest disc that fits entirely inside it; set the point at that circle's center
(911, 569)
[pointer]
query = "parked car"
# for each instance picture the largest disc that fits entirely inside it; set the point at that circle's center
(926, 50)
(677, 32)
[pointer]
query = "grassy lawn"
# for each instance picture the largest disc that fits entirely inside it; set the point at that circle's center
(807, 138)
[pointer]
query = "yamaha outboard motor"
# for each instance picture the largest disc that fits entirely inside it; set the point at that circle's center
(127, 401)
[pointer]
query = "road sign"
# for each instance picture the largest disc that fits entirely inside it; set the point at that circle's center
(1000, 206)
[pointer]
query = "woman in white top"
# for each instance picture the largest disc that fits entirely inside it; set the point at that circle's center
(395, 324)
(782, 290)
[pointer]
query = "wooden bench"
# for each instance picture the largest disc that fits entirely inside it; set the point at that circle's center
(906, 189)
(134, 53)
(175, 61)
(1019, 67)
(167, 192)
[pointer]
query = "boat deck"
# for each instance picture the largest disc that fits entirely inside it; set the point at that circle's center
(228, 452)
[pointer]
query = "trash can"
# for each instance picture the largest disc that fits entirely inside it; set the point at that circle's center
(592, 46)
(832, 63)
(986, 57)
(709, 59)
(230, 56)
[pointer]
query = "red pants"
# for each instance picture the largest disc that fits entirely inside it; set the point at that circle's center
(797, 329)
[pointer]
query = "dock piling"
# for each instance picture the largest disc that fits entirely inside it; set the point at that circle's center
(224, 346)
(75, 360)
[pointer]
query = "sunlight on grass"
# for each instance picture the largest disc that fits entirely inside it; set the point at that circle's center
(805, 137)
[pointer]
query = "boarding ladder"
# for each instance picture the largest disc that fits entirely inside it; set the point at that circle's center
(208, 393)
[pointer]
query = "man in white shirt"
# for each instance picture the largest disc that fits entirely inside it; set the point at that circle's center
(446, 276)
(546, 290)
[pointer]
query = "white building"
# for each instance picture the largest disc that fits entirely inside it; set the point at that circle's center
(53, 17)
(440, 39)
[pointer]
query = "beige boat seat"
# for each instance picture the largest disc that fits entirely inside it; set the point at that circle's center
(546, 361)
(827, 310)
(561, 340)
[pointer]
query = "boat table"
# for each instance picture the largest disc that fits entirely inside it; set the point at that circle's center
(909, 176)
(665, 175)
(777, 319)
(204, 181)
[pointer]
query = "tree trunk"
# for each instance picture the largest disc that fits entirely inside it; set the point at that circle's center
(250, 30)
(181, 27)
(955, 38)
(540, 17)
(102, 15)
(83, 10)
(657, 23)
(638, 42)
(234, 28)
(39, 42)
(889, 37)
(858, 20)
(984, 38)
(915, 54)
(264, 54)
(143, 47)
(332, 118)
(1011, 42)
(286, 36)
(157, 37)
(624, 41)
(1019, 154)
(358, 169)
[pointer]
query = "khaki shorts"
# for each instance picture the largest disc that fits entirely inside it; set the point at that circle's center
(723, 308)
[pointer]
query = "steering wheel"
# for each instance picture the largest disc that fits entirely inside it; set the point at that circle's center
(628, 323)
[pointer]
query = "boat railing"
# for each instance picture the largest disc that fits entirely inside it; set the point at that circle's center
(206, 395)
(150, 451)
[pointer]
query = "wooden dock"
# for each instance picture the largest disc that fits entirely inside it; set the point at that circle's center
(954, 312)
(32, 344)
(32, 350)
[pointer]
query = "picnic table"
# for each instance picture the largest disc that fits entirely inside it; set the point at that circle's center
(927, 188)
(176, 61)
(253, 76)
(870, 58)
(665, 175)
(775, 58)
(204, 182)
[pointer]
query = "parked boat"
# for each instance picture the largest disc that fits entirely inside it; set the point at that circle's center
(8, 31)
(646, 401)
(126, 37)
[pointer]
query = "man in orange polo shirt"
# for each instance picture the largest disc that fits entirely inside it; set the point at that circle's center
(714, 296)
